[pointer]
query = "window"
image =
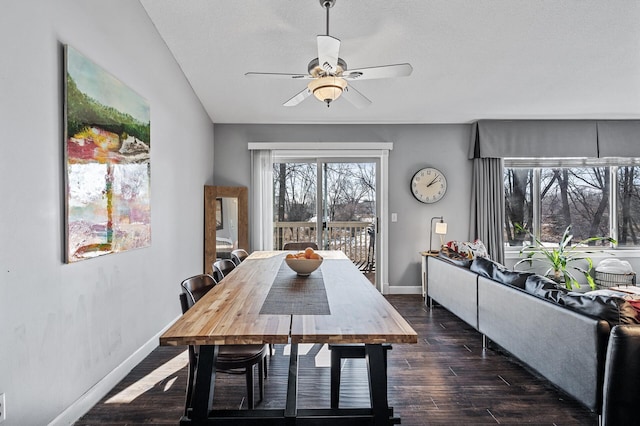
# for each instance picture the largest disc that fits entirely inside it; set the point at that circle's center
(598, 197)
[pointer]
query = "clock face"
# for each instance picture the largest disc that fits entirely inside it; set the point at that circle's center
(428, 185)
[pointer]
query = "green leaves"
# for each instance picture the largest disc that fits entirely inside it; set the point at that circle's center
(561, 257)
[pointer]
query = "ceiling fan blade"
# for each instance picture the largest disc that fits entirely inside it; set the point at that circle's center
(354, 97)
(328, 51)
(384, 71)
(278, 75)
(298, 98)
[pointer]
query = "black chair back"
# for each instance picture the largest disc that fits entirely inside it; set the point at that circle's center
(222, 268)
(195, 287)
(299, 245)
(238, 255)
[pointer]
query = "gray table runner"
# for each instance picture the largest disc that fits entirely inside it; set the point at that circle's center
(291, 294)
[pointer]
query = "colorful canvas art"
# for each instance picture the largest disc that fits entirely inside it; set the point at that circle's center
(108, 163)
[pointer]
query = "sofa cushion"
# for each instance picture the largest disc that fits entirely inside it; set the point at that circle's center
(631, 298)
(488, 268)
(612, 309)
(539, 285)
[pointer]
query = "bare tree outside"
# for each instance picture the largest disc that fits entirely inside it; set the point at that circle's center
(574, 196)
(577, 196)
(348, 207)
(628, 206)
(518, 190)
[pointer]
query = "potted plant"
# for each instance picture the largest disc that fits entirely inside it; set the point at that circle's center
(561, 259)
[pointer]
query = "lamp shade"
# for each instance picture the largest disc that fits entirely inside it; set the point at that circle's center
(327, 89)
(441, 228)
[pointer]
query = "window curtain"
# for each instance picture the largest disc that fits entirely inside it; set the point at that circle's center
(555, 139)
(262, 199)
(494, 140)
(487, 205)
(534, 138)
(619, 138)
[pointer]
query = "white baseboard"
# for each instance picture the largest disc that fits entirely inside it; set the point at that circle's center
(83, 404)
(404, 289)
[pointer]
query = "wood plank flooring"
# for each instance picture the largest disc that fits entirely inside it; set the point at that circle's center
(447, 378)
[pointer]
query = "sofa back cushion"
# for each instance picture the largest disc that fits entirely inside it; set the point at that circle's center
(540, 285)
(614, 310)
(486, 267)
(606, 306)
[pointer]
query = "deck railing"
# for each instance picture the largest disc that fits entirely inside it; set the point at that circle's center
(355, 239)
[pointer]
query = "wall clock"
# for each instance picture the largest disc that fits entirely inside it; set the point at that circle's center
(428, 185)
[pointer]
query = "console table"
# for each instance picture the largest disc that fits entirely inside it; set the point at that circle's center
(425, 278)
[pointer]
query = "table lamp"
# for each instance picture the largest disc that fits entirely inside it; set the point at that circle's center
(441, 229)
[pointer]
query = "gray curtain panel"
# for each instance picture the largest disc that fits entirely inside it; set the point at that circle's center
(619, 138)
(534, 138)
(487, 205)
(555, 139)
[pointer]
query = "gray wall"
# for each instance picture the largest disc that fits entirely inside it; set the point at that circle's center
(415, 146)
(63, 328)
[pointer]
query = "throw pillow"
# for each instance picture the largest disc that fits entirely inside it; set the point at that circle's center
(470, 250)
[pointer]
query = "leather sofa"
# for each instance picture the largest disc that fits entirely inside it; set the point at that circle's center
(560, 334)
(621, 396)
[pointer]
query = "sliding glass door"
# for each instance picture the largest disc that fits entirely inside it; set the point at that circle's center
(334, 194)
(329, 202)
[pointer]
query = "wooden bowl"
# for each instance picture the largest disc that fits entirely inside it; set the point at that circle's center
(303, 267)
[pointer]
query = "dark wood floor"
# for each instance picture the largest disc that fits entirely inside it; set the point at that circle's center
(447, 378)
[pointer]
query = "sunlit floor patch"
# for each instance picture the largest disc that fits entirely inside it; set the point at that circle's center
(322, 358)
(303, 349)
(150, 380)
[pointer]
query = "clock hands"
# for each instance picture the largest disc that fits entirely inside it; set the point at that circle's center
(433, 181)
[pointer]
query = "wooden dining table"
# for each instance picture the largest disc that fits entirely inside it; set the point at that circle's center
(263, 301)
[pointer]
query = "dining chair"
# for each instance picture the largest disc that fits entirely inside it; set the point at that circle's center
(299, 245)
(233, 359)
(344, 351)
(238, 255)
(222, 268)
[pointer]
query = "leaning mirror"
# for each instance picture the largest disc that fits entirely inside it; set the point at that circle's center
(225, 222)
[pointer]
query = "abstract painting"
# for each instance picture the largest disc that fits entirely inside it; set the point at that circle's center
(107, 162)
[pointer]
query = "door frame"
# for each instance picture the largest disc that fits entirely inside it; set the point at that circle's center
(344, 151)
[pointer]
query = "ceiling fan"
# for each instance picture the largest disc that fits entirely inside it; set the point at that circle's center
(329, 74)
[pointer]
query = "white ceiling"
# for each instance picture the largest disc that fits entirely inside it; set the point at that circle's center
(472, 59)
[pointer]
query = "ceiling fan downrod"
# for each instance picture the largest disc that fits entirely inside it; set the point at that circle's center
(327, 4)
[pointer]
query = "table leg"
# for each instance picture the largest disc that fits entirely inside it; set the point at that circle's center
(205, 379)
(291, 408)
(377, 383)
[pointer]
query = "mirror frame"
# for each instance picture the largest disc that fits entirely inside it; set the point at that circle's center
(210, 194)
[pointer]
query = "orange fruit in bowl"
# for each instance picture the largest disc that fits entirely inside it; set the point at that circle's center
(290, 256)
(308, 252)
(315, 256)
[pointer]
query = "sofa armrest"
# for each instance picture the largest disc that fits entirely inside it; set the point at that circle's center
(621, 390)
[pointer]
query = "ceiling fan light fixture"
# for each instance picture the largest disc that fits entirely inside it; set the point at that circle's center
(327, 89)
